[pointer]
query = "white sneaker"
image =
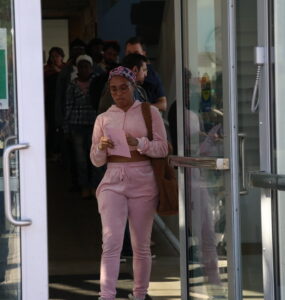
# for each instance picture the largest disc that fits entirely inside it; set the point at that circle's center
(131, 297)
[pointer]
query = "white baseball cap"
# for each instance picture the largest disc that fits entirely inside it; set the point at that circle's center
(85, 58)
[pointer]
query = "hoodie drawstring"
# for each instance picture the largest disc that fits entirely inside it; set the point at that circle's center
(123, 174)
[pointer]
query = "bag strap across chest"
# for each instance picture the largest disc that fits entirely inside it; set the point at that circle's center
(147, 118)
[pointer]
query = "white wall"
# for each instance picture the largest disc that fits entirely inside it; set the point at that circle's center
(55, 34)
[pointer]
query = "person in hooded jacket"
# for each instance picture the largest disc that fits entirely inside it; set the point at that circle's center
(128, 189)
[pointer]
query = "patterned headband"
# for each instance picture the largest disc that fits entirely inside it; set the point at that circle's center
(124, 72)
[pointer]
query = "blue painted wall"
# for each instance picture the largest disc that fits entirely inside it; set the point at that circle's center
(114, 22)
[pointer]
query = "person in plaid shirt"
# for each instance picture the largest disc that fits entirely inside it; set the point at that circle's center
(78, 124)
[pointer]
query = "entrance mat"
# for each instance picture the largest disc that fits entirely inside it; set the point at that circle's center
(81, 287)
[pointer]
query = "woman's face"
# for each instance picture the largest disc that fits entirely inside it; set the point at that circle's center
(122, 92)
(56, 58)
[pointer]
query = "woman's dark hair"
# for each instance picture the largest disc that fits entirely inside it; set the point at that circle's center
(55, 49)
(134, 59)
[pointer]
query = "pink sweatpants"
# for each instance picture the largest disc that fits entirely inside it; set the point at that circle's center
(127, 191)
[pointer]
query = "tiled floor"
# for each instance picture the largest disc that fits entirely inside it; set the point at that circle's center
(164, 283)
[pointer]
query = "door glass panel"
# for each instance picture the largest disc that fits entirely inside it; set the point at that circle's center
(279, 35)
(204, 137)
(248, 125)
(10, 272)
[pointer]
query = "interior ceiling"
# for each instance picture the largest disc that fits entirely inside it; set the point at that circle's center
(62, 8)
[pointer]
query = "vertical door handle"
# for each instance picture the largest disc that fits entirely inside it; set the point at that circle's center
(6, 179)
(242, 137)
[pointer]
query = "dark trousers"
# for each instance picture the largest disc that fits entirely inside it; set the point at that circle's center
(88, 176)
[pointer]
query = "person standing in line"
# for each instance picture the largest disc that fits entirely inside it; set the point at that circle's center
(78, 123)
(52, 69)
(55, 61)
(128, 190)
(95, 50)
(152, 83)
(111, 52)
(69, 72)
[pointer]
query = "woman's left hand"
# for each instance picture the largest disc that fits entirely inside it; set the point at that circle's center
(132, 141)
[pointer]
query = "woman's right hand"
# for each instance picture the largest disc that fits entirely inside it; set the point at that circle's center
(105, 143)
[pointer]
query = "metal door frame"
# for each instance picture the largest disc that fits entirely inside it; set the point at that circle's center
(265, 136)
(180, 137)
(29, 72)
(232, 151)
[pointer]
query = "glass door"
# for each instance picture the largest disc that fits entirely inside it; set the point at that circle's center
(23, 236)
(249, 131)
(208, 151)
(256, 123)
(230, 161)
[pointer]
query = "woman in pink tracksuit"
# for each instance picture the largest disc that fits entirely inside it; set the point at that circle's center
(128, 189)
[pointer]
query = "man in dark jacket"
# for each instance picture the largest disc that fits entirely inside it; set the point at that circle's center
(152, 83)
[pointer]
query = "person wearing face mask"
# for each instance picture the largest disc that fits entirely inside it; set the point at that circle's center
(128, 190)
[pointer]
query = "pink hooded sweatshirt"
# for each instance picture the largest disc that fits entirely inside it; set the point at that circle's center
(132, 122)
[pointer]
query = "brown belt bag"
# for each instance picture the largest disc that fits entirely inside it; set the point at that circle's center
(164, 174)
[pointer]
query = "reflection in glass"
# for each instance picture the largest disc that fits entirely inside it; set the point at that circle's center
(10, 275)
(203, 115)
